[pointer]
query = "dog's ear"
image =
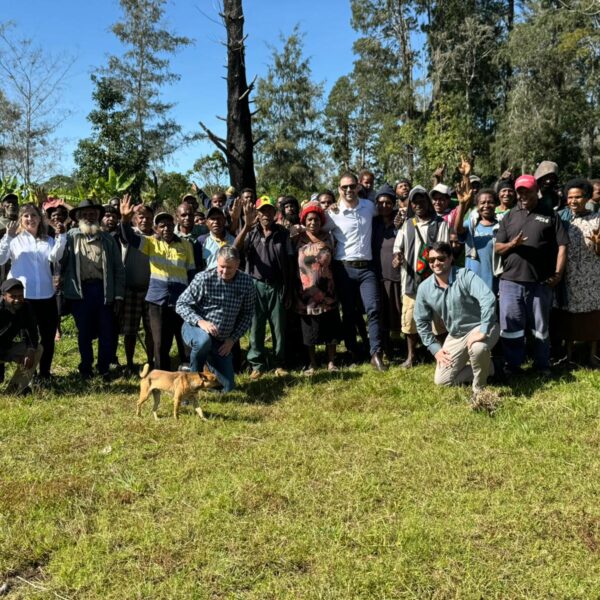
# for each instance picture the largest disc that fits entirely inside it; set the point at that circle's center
(207, 378)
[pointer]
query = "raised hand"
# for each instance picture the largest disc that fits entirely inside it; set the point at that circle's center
(11, 228)
(250, 214)
(126, 208)
(464, 191)
(465, 167)
(236, 208)
(439, 174)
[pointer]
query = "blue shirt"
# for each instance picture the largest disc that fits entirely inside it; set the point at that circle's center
(210, 247)
(465, 304)
(352, 229)
(479, 240)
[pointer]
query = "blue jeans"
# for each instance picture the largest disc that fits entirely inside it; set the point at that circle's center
(525, 305)
(350, 281)
(205, 349)
(94, 318)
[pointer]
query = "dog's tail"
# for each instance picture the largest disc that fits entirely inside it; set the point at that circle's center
(145, 371)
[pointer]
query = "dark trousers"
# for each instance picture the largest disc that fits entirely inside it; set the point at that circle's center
(46, 316)
(349, 282)
(524, 305)
(93, 318)
(165, 325)
(268, 308)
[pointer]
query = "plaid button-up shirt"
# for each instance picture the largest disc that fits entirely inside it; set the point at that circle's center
(229, 305)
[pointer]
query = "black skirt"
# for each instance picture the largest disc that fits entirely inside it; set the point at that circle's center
(325, 328)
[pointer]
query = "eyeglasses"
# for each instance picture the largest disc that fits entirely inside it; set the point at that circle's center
(434, 259)
(351, 186)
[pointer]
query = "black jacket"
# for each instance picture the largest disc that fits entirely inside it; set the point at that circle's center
(21, 323)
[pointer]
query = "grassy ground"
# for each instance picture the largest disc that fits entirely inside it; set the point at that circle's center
(355, 485)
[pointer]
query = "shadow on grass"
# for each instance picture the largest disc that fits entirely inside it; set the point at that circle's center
(529, 382)
(270, 389)
(73, 385)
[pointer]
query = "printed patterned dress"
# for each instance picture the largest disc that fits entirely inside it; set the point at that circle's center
(579, 318)
(316, 300)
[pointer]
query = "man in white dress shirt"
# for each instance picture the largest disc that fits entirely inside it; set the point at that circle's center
(353, 270)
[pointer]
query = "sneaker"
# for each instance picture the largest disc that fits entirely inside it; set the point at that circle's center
(308, 372)
(255, 375)
(185, 367)
(279, 372)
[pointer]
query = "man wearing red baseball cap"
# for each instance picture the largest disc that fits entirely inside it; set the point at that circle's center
(533, 246)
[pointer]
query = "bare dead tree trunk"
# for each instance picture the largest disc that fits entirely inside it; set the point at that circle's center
(239, 146)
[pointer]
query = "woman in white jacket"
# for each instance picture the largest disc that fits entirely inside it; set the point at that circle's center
(32, 253)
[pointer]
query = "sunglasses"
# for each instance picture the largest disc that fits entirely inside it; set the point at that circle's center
(434, 259)
(352, 186)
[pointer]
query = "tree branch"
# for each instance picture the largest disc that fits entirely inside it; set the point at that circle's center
(220, 143)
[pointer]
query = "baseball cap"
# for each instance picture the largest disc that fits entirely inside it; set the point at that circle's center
(440, 188)
(265, 201)
(11, 197)
(9, 284)
(526, 181)
(161, 215)
(214, 210)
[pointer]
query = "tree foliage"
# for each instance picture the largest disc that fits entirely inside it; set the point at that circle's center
(510, 83)
(288, 121)
(113, 143)
(131, 127)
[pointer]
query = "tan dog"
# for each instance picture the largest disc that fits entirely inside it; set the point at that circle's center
(178, 383)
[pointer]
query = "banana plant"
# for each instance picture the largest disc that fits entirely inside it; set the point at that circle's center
(9, 185)
(114, 185)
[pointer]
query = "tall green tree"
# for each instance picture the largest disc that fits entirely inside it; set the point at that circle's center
(467, 69)
(340, 122)
(113, 142)
(135, 80)
(288, 122)
(553, 106)
(388, 114)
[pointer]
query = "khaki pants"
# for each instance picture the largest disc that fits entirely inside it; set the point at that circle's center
(468, 364)
(21, 377)
(408, 318)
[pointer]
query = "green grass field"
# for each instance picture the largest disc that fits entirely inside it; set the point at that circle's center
(353, 485)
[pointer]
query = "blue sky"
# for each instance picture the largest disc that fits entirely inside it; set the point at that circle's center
(81, 29)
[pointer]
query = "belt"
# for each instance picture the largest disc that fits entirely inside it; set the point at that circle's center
(357, 264)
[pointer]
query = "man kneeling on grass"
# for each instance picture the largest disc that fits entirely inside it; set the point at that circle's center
(468, 309)
(17, 319)
(217, 309)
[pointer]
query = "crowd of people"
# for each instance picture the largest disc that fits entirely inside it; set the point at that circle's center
(453, 269)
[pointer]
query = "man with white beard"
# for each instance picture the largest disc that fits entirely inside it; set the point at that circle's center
(93, 282)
